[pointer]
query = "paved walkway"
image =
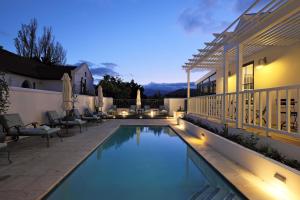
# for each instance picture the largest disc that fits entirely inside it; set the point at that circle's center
(36, 169)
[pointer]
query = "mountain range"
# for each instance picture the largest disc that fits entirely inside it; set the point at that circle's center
(164, 88)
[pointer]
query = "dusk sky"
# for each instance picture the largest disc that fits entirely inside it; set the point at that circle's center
(147, 40)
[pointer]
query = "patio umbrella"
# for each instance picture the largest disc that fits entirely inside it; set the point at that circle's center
(67, 92)
(100, 97)
(138, 99)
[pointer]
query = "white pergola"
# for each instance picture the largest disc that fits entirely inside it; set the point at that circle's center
(265, 23)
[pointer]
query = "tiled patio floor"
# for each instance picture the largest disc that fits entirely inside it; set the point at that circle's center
(36, 168)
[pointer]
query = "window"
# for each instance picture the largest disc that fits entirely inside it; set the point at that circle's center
(84, 74)
(248, 76)
(33, 85)
(207, 86)
(26, 84)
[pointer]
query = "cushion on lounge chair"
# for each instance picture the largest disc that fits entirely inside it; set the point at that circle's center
(3, 145)
(11, 120)
(77, 113)
(38, 131)
(53, 117)
(45, 127)
(73, 123)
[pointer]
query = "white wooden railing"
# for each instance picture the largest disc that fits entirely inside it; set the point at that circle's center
(263, 108)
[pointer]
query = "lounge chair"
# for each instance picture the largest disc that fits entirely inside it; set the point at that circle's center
(14, 126)
(132, 109)
(55, 120)
(3, 148)
(112, 111)
(163, 110)
(147, 109)
(89, 118)
(101, 114)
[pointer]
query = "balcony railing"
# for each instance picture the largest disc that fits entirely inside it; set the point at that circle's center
(126, 103)
(273, 109)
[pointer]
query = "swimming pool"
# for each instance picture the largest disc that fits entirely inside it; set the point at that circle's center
(144, 162)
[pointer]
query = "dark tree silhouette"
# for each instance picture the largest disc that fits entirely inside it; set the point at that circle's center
(44, 49)
(49, 51)
(25, 42)
(4, 97)
(115, 87)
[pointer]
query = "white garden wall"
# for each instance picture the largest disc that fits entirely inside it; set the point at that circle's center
(173, 104)
(32, 104)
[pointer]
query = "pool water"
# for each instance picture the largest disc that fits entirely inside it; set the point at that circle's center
(144, 162)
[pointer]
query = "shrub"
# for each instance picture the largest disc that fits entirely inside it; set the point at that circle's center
(4, 94)
(248, 142)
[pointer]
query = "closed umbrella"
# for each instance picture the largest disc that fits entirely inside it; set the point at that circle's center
(138, 99)
(100, 97)
(67, 93)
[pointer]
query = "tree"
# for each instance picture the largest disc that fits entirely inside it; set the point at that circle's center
(4, 91)
(50, 52)
(25, 42)
(117, 88)
(45, 49)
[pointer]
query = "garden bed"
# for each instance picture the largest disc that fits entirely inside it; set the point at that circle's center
(242, 152)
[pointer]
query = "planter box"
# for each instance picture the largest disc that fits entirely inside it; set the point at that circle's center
(263, 167)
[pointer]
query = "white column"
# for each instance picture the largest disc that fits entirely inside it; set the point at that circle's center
(225, 84)
(238, 70)
(188, 72)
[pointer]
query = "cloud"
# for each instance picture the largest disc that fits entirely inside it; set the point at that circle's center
(201, 18)
(102, 69)
(4, 33)
(109, 64)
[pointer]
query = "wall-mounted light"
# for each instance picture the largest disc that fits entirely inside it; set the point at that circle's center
(280, 177)
(229, 73)
(261, 62)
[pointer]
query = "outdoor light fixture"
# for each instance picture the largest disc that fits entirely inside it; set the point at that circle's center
(124, 113)
(152, 113)
(261, 62)
(280, 177)
(141, 117)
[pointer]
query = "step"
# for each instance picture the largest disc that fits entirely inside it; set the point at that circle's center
(196, 194)
(220, 195)
(230, 196)
(209, 193)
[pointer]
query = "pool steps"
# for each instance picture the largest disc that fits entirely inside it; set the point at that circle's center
(208, 192)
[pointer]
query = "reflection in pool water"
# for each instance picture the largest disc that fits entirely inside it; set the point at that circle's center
(144, 162)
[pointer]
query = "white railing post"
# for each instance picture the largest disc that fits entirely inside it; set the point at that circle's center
(188, 71)
(243, 108)
(278, 106)
(288, 111)
(269, 118)
(298, 110)
(254, 109)
(249, 107)
(260, 109)
(238, 70)
(225, 84)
